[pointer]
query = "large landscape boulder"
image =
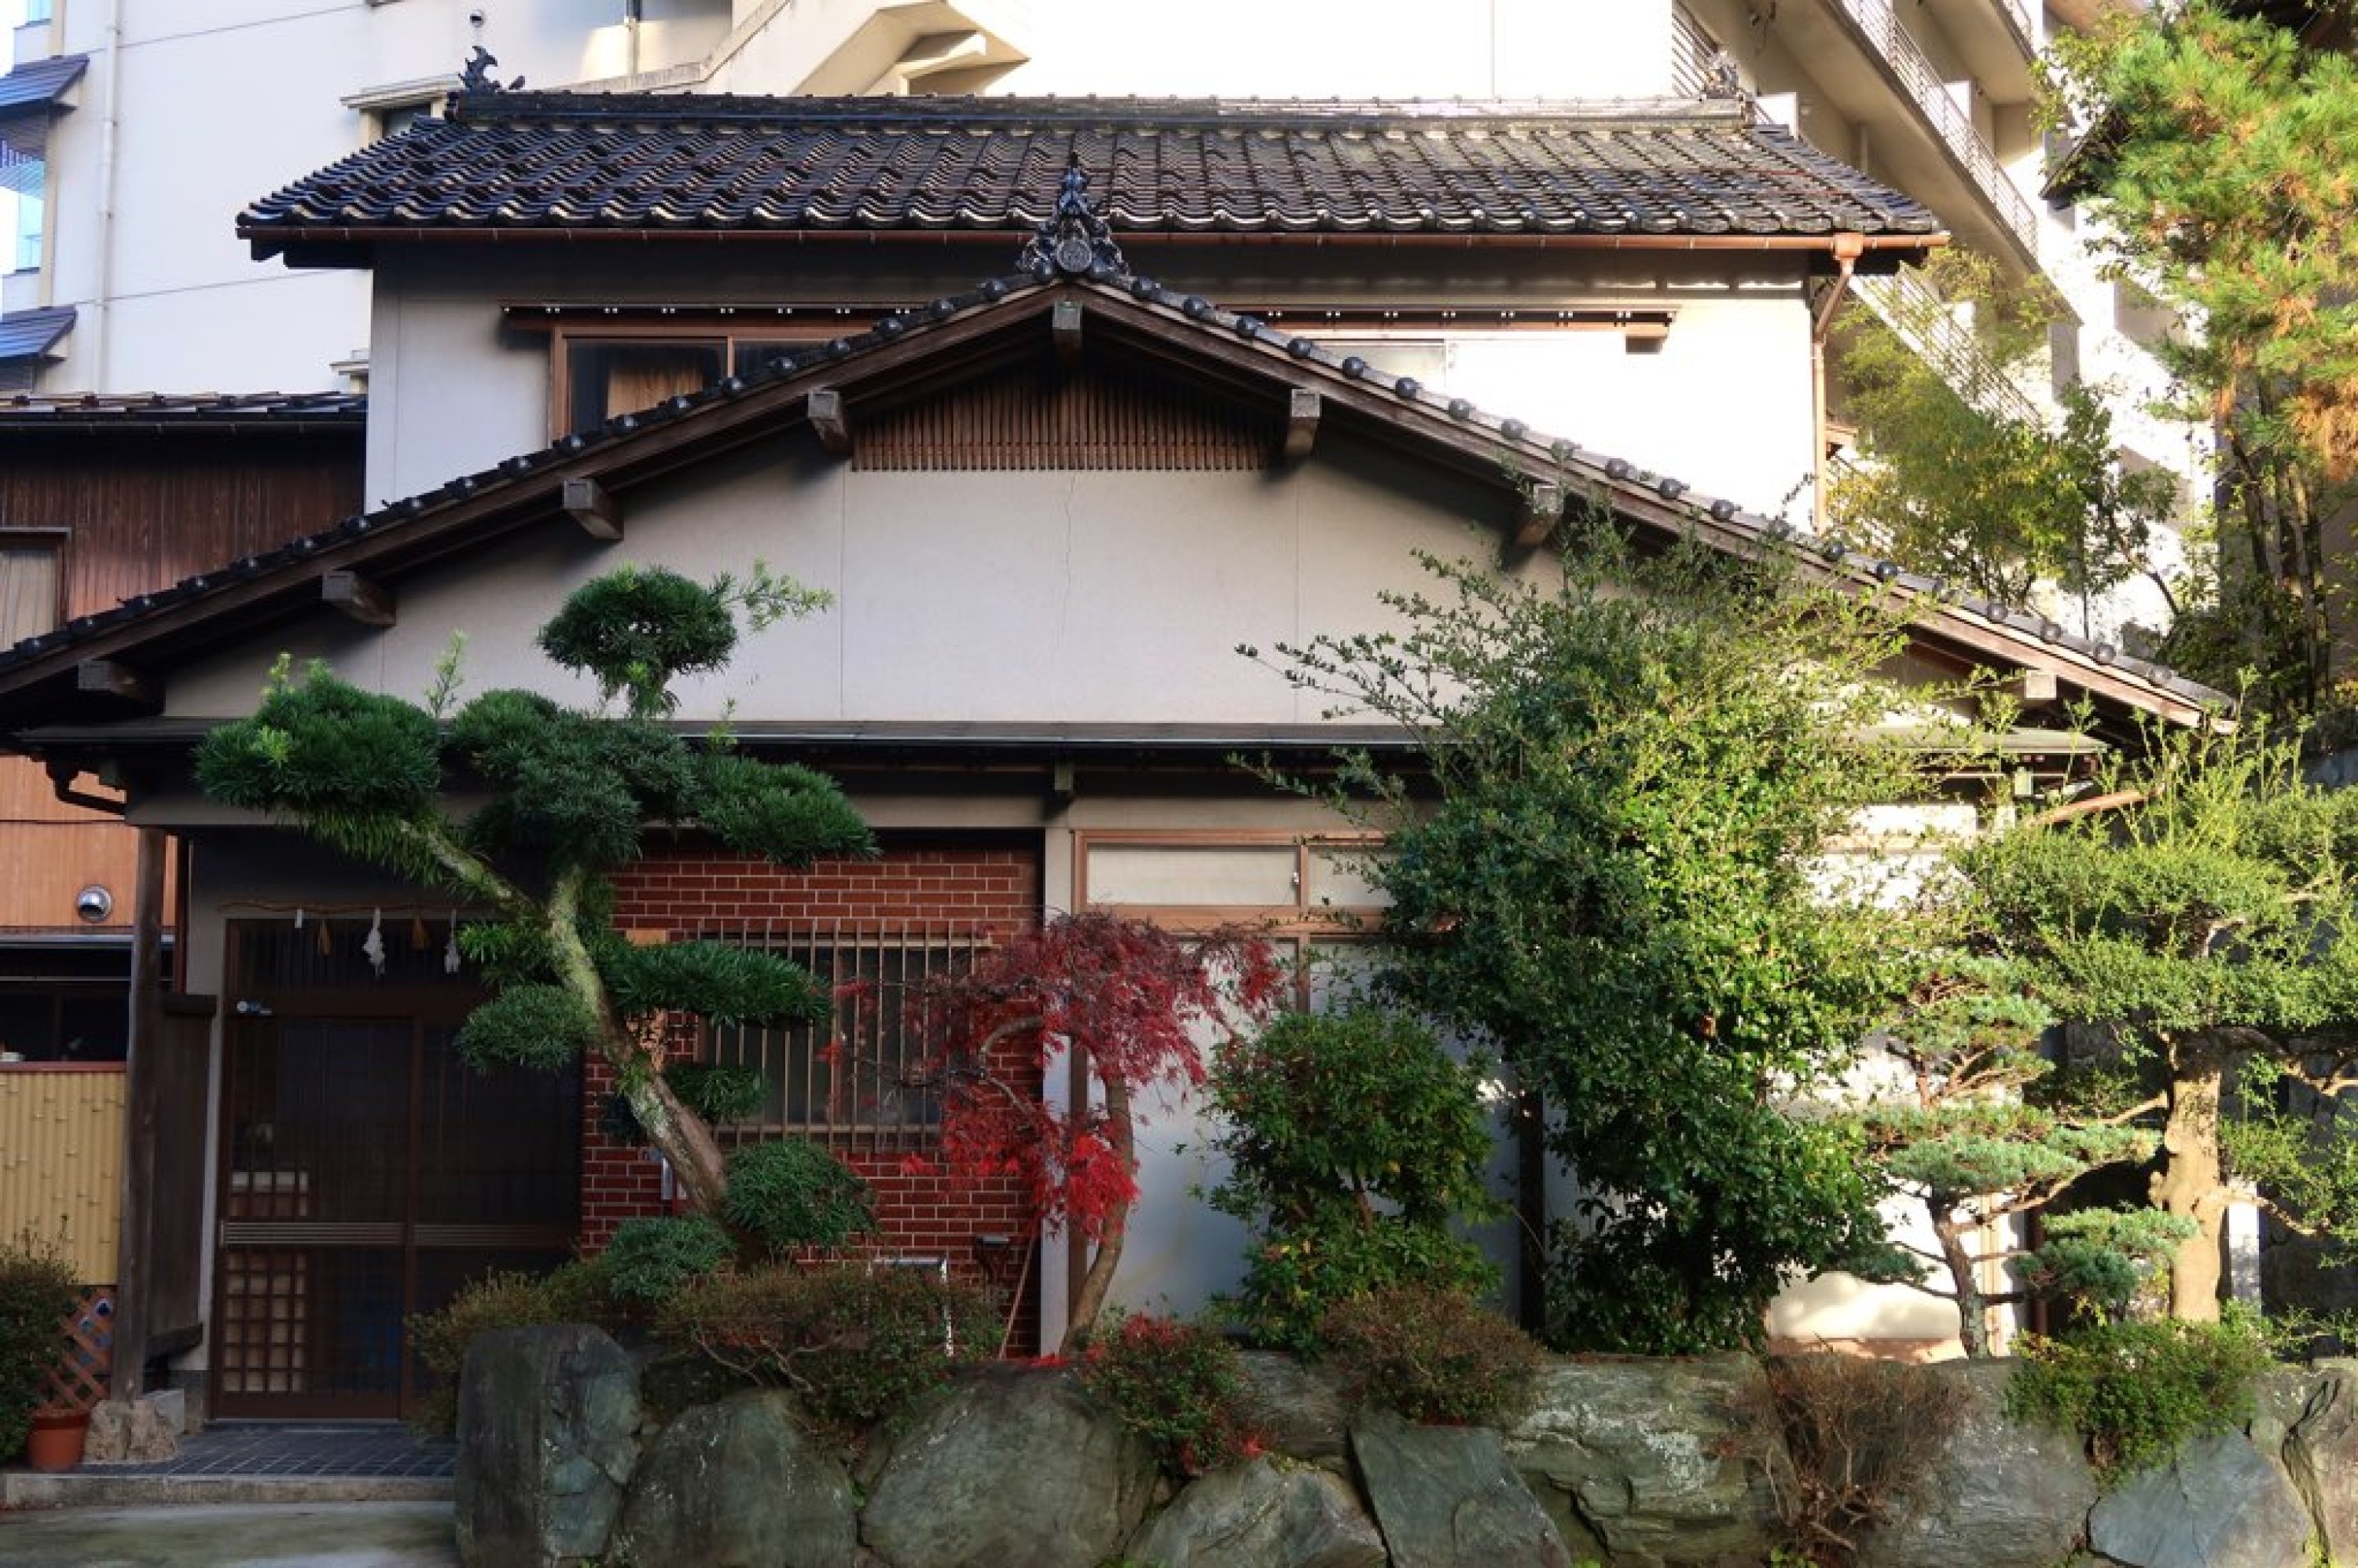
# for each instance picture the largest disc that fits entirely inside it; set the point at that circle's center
(1446, 1496)
(1262, 1515)
(2221, 1503)
(1643, 1461)
(2000, 1496)
(549, 1420)
(2319, 1451)
(1011, 1466)
(1297, 1407)
(739, 1485)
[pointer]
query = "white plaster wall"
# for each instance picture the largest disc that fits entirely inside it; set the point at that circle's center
(1723, 403)
(1079, 597)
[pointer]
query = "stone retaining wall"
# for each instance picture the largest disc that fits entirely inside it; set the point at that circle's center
(1630, 1464)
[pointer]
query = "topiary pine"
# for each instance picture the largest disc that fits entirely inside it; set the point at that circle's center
(572, 794)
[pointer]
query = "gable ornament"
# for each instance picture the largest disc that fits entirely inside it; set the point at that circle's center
(1076, 240)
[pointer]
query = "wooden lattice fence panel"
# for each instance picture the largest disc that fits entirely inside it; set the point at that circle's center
(86, 1357)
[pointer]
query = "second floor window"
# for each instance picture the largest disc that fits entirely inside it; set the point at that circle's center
(28, 588)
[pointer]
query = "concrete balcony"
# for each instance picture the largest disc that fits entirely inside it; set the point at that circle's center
(1868, 91)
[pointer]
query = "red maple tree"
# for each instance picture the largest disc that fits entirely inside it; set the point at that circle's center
(1134, 1004)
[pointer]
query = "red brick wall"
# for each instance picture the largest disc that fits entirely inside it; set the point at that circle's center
(992, 884)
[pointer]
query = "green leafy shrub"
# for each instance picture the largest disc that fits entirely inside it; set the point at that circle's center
(1432, 1355)
(1354, 1141)
(858, 1345)
(37, 1289)
(791, 1193)
(1843, 1441)
(1296, 1277)
(2139, 1390)
(1177, 1385)
(500, 1299)
(719, 1091)
(650, 1260)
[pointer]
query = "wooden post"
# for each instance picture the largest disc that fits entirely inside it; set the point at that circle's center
(133, 1250)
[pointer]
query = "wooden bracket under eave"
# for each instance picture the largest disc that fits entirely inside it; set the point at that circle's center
(106, 678)
(359, 598)
(1542, 511)
(1302, 406)
(593, 506)
(1065, 326)
(826, 412)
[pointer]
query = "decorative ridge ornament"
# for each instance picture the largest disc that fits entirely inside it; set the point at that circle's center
(1076, 240)
(476, 77)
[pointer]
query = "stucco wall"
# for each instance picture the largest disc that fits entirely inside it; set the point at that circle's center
(1078, 596)
(1724, 402)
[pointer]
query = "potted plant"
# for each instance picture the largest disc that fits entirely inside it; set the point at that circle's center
(37, 1291)
(54, 1440)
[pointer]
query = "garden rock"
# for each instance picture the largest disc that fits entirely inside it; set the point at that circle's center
(1298, 1408)
(2218, 1504)
(739, 1485)
(2000, 1495)
(129, 1432)
(1009, 1467)
(1445, 1497)
(1646, 1458)
(1259, 1516)
(2320, 1455)
(547, 1418)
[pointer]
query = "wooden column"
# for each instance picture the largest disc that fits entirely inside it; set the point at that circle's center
(139, 1121)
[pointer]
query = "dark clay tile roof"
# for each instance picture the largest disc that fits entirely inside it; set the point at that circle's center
(26, 333)
(39, 83)
(570, 162)
(150, 411)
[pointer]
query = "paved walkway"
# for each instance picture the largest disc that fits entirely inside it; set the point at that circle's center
(243, 1495)
(231, 1535)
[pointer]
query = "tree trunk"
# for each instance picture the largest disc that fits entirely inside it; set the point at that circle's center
(1090, 1301)
(676, 1132)
(1973, 1311)
(2192, 1182)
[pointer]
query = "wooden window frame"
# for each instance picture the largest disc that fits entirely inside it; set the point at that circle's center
(57, 541)
(732, 330)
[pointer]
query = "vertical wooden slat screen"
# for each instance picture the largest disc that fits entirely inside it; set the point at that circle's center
(1039, 417)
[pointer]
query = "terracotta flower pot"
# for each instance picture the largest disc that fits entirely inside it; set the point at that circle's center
(55, 1443)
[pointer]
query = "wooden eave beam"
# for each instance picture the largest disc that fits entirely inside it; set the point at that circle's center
(826, 413)
(1542, 512)
(356, 595)
(109, 677)
(593, 507)
(1302, 409)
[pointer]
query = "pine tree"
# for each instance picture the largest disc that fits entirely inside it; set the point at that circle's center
(524, 808)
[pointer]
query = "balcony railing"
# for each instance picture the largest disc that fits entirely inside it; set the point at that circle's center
(1881, 28)
(1923, 321)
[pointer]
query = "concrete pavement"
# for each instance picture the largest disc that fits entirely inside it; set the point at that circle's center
(231, 1535)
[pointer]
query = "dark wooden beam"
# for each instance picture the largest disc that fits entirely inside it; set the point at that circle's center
(593, 506)
(825, 411)
(1301, 408)
(1065, 326)
(2033, 687)
(113, 679)
(1542, 510)
(358, 597)
(142, 1116)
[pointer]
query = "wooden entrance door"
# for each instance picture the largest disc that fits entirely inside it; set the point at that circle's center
(367, 1173)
